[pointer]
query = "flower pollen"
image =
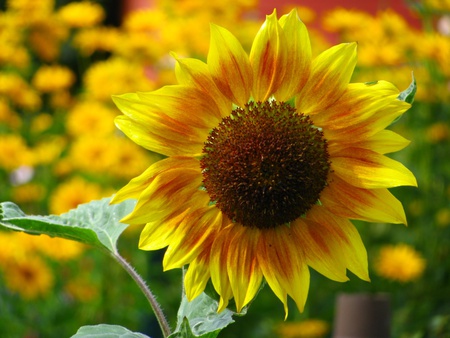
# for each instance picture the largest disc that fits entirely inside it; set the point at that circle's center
(265, 164)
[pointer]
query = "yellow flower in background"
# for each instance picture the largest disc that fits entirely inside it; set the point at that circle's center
(82, 289)
(115, 76)
(55, 78)
(94, 39)
(60, 249)
(90, 118)
(81, 14)
(68, 195)
(8, 116)
(310, 328)
(26, 193)
(268, 157)
(92, 154)
(399, 263)
(14, 152)
(30, 277)
(129, 159)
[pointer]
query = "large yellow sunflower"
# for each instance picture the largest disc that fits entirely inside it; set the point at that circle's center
(268, 157)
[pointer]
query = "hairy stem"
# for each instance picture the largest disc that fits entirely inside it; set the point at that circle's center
(165, 328)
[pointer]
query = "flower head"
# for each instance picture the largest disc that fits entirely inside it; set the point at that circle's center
(400, 263)
(268, 157)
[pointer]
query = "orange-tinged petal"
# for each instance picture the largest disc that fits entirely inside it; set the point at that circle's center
(218, 266)
(229, 66)
(358, 103)
(283, 264)
(371, 205)
(298, 50)
(197, 275)
(187, 105)
(169, 191)
(138, 184)
(383, 142)
(195, 73)
(367, 169)
(157, 235)
(330, 75)
(195, 231)
(155, 131)
(243, 270)
(351, 247)
(268, 58)
(320, 249)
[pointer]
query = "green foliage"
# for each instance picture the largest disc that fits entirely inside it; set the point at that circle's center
(409, 93)
(104, 330)
(95, 223)
(199, 318)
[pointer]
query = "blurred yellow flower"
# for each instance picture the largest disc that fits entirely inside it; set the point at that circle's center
(14, 152)
(81, 14)
(90, 118)
(48, 149)
(310, 328)
(29, 192)
(8, 116)
(68, 195)
(93, 39)
(54, 78)
(115, 76)
(92, 154)
(81, 288)
(45, 38)
(30, 10)
(399, 263)
(30, 277)
(130, 159)
(60, 249)
(443, 217)
(438, 132)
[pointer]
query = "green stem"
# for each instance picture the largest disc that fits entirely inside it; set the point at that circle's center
(165, 328)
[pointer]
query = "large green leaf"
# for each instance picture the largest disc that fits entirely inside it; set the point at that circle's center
(199, 318)
(96, 223)
(106, 331)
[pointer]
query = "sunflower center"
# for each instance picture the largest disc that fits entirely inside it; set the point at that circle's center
(265, 165)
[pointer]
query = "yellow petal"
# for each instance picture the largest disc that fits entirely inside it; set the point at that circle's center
(367, 169)
(171, 190)
(359, 102)
(218, 266)
(351, 248)
(138, 184)
(383, 142)
(229, 66)
(157, 235)
(195, 231)
(284, 266)
(371, 205)
(320, 249)
(243, 270)
(195, 73)
(197, 275)
(330, 75)
(156, 131)
(268, 58)
(298, 50)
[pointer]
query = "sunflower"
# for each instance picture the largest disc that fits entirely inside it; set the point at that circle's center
(268, 156)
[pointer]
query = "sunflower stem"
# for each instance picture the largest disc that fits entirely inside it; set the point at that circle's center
(164, 325)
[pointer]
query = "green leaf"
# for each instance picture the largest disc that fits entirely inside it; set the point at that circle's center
(408, 94)
(106, 331)
(199, 318)
(96, 223)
